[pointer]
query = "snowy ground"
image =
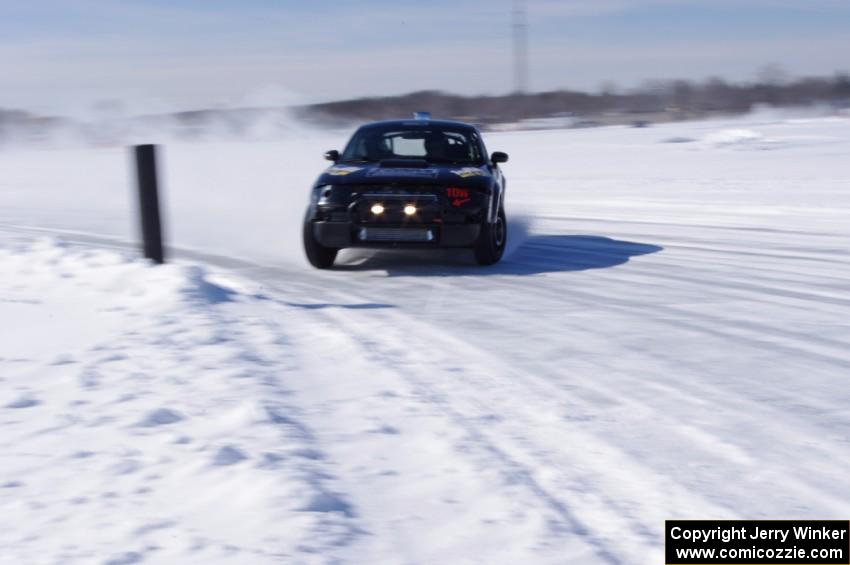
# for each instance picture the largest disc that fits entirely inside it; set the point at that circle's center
(668, 339)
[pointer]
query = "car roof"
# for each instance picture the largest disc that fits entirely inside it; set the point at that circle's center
(419, 123)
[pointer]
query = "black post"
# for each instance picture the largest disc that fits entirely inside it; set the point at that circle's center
(149, 202)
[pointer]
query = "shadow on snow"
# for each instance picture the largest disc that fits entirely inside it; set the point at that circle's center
(537, 254)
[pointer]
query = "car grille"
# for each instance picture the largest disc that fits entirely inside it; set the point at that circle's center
(396, 234)
(428, 208)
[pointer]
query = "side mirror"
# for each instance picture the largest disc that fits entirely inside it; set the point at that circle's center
(332, 155)
(499, 157)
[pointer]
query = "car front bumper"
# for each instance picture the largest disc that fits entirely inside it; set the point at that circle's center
(347, 234)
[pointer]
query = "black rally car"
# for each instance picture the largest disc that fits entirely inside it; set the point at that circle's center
(417, 183)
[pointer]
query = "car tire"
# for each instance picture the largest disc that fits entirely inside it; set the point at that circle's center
(491, 242)
(319, 256)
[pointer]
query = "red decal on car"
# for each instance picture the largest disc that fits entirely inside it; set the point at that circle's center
(459, 196)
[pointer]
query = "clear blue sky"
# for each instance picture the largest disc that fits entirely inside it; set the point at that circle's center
(198, 53)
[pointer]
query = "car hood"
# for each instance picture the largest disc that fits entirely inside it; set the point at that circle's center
(431, 174)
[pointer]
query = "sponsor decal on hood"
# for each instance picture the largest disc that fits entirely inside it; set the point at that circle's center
(468, 172)
(342, 170)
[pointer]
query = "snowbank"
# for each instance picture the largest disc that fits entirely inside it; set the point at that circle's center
(144, 417)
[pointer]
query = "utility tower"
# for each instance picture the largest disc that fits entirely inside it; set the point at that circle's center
(520, 26)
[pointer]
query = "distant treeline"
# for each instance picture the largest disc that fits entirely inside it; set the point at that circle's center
(675, 98)
(654, 101)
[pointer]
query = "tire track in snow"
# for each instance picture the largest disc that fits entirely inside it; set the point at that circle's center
(402, 329)
(341, 333)
(542, 457)
(496, 455)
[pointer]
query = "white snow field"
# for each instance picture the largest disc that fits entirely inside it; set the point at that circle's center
(669, 338)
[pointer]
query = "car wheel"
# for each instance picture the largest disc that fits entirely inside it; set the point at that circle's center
(319, 256)
(491, 242)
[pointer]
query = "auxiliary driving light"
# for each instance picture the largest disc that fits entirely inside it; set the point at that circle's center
(409, 210)
(377, 209)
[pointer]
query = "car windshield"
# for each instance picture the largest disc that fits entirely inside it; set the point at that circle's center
(438, 145)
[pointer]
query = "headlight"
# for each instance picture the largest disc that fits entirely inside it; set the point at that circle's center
(377, 209)
(409, 210)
